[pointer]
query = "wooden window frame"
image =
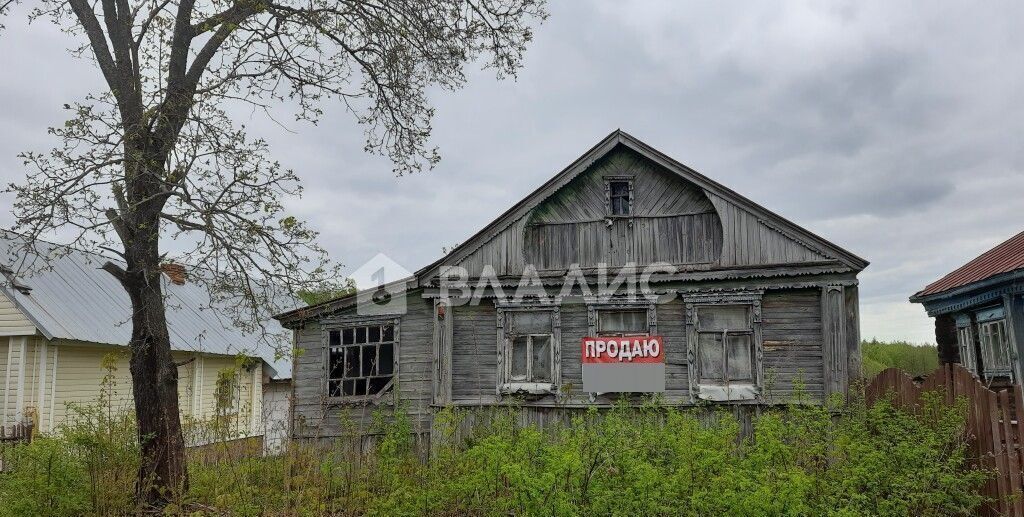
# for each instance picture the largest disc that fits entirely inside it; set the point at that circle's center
(350, 322)
(505, 385)
(725, 391)
(594, 310)
(986, 333)
(236, 395)
(966, 343)
(608, 180)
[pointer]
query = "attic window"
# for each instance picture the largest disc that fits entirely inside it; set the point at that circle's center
(620, 195)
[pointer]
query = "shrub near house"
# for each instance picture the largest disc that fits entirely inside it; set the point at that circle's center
(650, 460)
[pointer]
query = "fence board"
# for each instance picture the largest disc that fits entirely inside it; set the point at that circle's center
(994, 427)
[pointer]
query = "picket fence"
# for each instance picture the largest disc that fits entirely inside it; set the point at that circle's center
(995, 425)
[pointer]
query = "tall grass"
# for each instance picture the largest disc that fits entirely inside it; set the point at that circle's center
(651, 460)
(915, 359)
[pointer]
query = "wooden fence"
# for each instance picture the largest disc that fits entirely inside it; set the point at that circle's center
(995, 425)
(10, 437)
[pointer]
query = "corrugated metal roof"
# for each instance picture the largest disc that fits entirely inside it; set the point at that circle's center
(74, 299)
(1006, 257)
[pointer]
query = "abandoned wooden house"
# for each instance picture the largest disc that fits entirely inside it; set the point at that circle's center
(979, 313)
(744, 307)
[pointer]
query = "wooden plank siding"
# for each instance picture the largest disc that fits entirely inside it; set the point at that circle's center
(801, 290)
(317, 417)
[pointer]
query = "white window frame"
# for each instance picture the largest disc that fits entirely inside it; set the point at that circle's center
(987, 331)
(725, 391)
(965, 343)
(340, 324)
(236, 394)
(505, 384)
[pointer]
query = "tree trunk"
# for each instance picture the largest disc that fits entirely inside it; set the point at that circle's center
(162, 471)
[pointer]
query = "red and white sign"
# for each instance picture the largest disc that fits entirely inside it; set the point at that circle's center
(628, 350)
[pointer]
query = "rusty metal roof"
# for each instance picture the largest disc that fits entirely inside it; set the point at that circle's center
(1006, 257)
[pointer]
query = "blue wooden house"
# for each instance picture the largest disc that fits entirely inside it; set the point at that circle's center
(979, 313)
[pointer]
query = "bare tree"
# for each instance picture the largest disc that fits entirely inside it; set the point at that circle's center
(155, 154)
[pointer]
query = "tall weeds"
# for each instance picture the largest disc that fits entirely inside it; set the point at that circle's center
(651, 460)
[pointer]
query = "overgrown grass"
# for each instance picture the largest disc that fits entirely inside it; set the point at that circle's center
(915, 359)
(653, 460)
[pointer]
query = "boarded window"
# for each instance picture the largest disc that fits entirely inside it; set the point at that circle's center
(361, 360)
(529, 351)
(725, 344)
(632, 322)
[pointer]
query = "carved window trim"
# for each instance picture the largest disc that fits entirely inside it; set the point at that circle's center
(594, 307)
(504, 384)
(340, 323)
(725, 392)
(608, 180)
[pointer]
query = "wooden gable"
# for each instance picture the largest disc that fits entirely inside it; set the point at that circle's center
(677, 216)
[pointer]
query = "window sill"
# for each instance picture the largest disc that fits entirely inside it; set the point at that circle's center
(383, 398)
(528, 388)
(728, 392)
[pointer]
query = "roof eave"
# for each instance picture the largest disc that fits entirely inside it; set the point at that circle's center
(1010, 276)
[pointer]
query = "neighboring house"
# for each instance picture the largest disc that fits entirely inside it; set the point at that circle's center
(63, 337)
(979, 313)
(752, 309)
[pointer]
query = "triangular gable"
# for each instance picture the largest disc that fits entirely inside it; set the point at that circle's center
(768, 228)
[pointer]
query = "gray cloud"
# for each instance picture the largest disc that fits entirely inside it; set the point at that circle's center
(892, 129)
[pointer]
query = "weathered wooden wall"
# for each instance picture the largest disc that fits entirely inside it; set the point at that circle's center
(792, 340)
(673, 221)
(314, 416)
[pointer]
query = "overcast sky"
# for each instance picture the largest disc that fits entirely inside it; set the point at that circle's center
(894, 131)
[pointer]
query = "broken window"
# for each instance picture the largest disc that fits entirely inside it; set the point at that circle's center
(725, 344)
(529, 348)
(620, 196)
(361, 360)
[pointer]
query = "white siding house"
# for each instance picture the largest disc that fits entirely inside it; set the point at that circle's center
(63, 337)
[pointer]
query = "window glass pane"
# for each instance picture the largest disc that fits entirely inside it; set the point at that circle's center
(369, 360)
(374, 335)
(709, 347)
(628, 322)
(996, 341)
(377, 384)
(541, 359)
(334, 389)
(533, 322)
(334, 338)
(337, 363)
(740, 363)
(723, 317)
(348, 388)
(351, 361)
(360, 334)
(389, 333)
(360, 387)
(619, 188)
(519, 357)
(348, 336)
(387, 359)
